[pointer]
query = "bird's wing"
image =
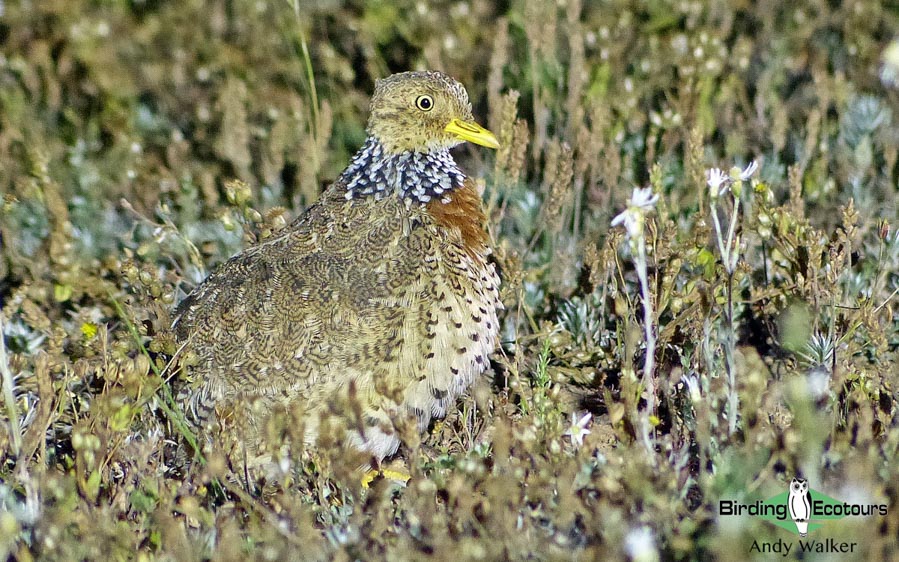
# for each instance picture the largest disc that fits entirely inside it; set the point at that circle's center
(320, 301)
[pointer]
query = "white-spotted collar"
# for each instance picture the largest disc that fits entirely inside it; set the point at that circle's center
(417, 177)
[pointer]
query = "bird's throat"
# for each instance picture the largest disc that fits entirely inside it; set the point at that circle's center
(416, 177)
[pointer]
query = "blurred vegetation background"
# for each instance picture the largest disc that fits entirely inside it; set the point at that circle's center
(143, 142)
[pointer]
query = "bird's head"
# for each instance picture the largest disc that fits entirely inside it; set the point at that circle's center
(423, 112)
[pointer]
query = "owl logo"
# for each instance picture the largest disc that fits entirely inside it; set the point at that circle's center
(800, 506)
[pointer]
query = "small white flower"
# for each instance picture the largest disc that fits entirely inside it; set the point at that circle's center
(578, 428)
(718, 182)
(642, 200)
(747, 172)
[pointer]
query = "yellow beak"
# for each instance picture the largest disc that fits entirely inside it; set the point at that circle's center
(472, 132)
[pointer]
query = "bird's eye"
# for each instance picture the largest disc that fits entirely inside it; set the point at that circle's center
(424, 103)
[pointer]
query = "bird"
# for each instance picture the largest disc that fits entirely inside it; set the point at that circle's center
(377, 306)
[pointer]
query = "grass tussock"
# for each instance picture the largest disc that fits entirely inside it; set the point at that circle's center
(735, 328)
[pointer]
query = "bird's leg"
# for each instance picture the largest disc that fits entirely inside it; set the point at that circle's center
(396, 473)
(370, 474)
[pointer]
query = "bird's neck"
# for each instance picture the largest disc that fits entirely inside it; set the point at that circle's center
(416, 177)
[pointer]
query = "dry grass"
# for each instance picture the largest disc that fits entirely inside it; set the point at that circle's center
(142, 143)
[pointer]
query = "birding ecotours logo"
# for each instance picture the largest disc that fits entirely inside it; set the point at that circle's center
(800, 510)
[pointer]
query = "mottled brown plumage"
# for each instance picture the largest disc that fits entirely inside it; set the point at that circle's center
(378, 304)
